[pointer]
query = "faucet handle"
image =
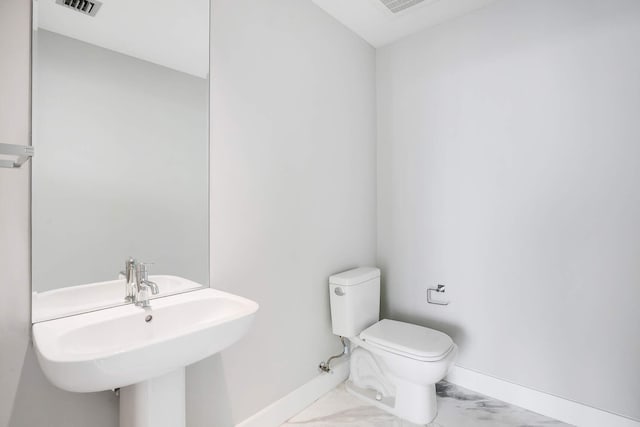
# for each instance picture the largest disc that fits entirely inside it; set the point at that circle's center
(142, 271)
(129, 266)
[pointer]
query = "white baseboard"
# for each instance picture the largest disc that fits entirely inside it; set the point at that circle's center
(543, 403)
(280, 411)
(546, 404)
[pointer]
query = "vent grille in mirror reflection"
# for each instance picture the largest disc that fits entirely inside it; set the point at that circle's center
(396, 6)
(83, 6)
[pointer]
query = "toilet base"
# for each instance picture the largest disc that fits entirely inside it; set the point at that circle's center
(412, 402)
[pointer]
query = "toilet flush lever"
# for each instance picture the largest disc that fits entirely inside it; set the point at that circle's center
(431, 299)
(338, 291)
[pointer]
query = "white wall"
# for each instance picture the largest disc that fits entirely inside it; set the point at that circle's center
(121, 167)
(293, 183)
(26, 397)
(293, 153)
(508, 170)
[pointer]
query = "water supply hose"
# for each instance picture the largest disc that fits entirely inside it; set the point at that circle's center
(324, 366)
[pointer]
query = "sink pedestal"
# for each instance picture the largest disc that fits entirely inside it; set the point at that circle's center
(158, 402)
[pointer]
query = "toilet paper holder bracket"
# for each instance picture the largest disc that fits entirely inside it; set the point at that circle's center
(439, 290)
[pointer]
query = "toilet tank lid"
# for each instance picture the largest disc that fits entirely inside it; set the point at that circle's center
(355, 276)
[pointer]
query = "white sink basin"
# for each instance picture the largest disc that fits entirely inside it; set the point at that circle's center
(93, 296)
(118, 347)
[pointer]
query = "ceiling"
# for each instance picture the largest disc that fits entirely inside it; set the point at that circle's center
(375, 23)
(171, 33)
(175, 33)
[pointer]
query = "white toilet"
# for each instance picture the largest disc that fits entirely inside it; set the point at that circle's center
(394, 365)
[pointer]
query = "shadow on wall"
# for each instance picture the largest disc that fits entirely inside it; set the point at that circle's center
(39, 403)
(208, 402)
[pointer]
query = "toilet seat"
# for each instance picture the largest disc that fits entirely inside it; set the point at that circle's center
(408, 340)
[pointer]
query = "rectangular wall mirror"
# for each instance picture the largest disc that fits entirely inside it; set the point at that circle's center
(121, 135)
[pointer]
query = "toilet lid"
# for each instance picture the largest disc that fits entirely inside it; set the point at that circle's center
(416, 342)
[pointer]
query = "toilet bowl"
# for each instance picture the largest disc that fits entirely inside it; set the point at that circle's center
(394, 365)
(411, 358)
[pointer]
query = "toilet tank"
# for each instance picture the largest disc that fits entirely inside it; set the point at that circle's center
(355, 300)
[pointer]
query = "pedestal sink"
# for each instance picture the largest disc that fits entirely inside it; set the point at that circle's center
(142, 351)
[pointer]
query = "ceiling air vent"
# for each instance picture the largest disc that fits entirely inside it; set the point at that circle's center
(396, 6)
(83, 6)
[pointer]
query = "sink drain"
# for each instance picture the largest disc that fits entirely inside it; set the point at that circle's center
(148, 319)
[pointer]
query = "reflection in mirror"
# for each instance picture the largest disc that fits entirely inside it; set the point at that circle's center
(120, 130)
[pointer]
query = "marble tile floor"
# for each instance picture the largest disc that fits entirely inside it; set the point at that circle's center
(457, 407)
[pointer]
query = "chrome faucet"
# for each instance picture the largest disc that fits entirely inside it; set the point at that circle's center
(138, 287)
(143, 285)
